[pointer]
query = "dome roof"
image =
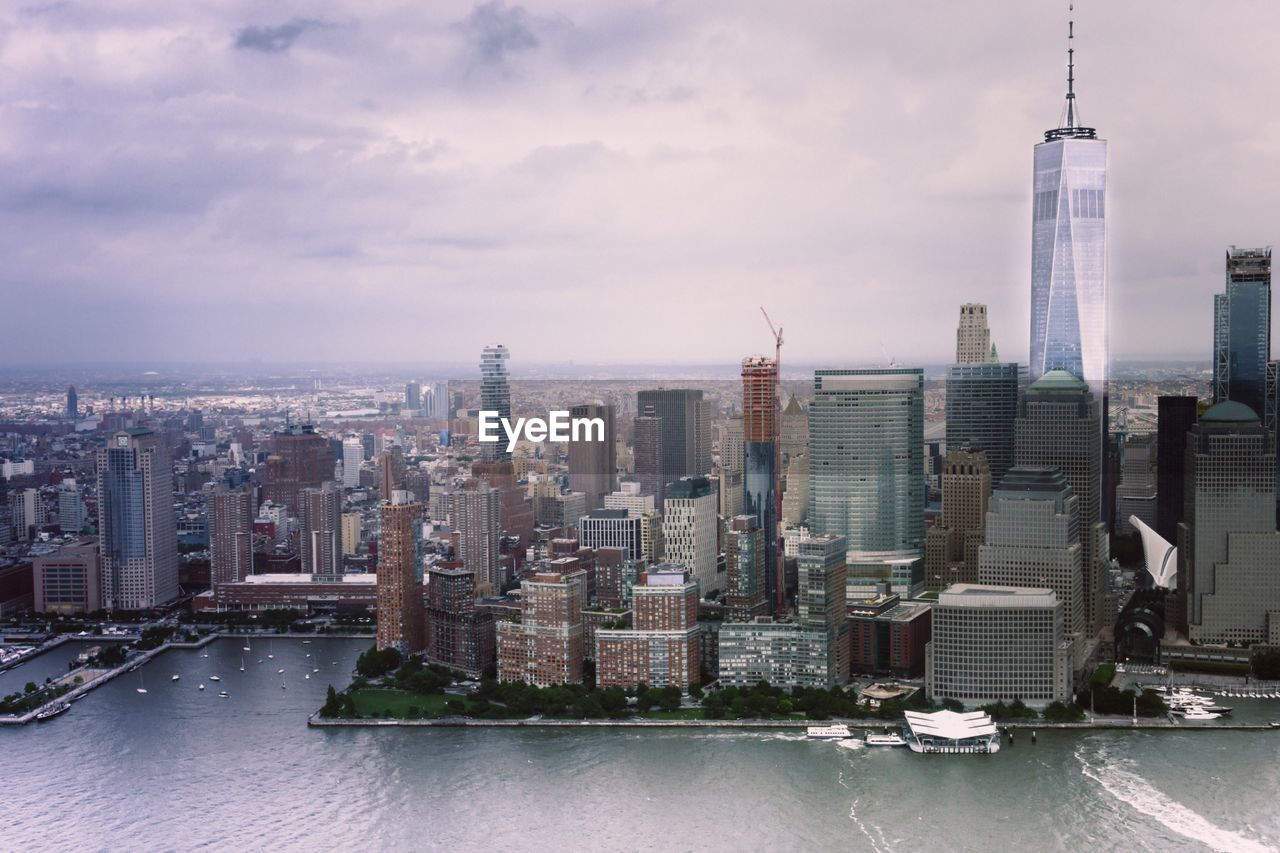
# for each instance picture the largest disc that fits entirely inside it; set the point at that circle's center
(1059, 380)
(1229, 412)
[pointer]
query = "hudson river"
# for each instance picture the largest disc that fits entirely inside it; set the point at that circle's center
(177, 769)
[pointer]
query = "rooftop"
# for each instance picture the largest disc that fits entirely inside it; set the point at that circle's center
(1229, 412)
(1059, 381)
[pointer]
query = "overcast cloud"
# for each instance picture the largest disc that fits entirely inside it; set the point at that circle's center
(608, 181)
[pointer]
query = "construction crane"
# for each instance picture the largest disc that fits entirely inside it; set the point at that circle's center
(780, 569)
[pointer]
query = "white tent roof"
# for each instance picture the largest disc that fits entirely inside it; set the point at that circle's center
(950, 725)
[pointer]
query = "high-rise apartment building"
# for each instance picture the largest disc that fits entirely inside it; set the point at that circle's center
(400, 604)
(745, 592)
(729, 483)
(231, 514)
(982, 403)
(495, 395)
(689, 528)
(760, 436)
(973, 338)
(546, 646)
(821, 596)
(300, 458)
(477, 516)
(412, 396)
(686, 430)
(136, 528)
(593, 459)
(998, 643)
(732, 454)
(1033, 540)
(350, 533)
(73, 405)
(951, 547)
(458, 635)
(1175, 418)
(1242, 329)
(517, 511)
(70, 507)
(1058, 427)
(866, 459)
(440, 401)
(664, 645)
(320, 530)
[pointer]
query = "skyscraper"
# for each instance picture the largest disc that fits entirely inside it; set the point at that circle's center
(745, 594)
(648, 457)
(440, 401)
(412, 396)
(760, 470)
(1069, 250)
(982, 403)
(547, 645)
(477, 516)
(320, 530)
(689, 526)
(231, 513)
(593, 463)
(70, 507)
(73, 407)
(973, 338)
(495, 395)
(663, 647)
(458, 635)
(820, 598)
(400, 605)
(866, 458)
(137, 531)
(1136, 493)
(951, 547)
(300, 458)
(1175, 417)
(686, 430)
(1242, 329)
(352, 456)
(1058, 427)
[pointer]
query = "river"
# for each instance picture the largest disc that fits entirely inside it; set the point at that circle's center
(178, 768)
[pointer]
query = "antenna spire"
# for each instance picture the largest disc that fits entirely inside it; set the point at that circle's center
(1069, 126)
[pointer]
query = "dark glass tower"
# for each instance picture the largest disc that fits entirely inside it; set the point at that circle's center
(982, 405)
(1242, 330)
(1176, 417)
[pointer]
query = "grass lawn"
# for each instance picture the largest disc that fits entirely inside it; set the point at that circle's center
(375, 701)
(682, 714)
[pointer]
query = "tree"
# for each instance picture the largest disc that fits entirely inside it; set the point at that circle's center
(332, 705)
(1266, 664)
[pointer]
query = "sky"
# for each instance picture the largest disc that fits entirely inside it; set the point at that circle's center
(611, 182)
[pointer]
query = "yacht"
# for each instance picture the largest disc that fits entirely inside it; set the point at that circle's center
(222, 694)
(839, 731)
(885, 740)
(1197, 714)
(53, 711)
(175, 678)
(215, 678)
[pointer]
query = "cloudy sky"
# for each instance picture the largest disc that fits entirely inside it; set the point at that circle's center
(607, 181)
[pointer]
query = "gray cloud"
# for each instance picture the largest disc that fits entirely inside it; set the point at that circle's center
(275, 39)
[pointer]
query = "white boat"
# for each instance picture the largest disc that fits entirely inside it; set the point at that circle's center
(222, 694)
(53, 711)
(142, 685)
(839, 731)
(307, 676)
(175, 678)
(215, 678)
(201, 687)
(278, 671)
(1197, 714)
(242, 663)
(885, 740)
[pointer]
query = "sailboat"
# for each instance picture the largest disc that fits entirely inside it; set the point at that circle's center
(246, 645)
(142, 686)
(175, 678)
(201, 687)
(282, 685)
(242, 663)
(269, 654)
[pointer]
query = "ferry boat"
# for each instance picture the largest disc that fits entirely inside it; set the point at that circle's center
(839, 731)
(885, 740)
(53, 711)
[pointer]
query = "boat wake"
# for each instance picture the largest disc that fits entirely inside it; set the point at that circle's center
(878, 844)
(851, 743)
(1137, 793)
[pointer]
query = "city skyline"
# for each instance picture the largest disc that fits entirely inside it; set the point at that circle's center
(192, 154)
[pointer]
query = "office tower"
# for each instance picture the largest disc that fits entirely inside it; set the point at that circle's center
(73, 407)
(546, 646)
(1242, 329)
(300, 458)
(729, 483)
(458, 635)
(477, 516)
(630, 497)
(998, 643)
(560, 510)
(517, 511)
(1136, 493)
(352, 457)
(982, 403)
(794, 431)
(1227, 542)
(24, 505)
(70, 507)
(663, 648)
(1033, 540)
(1058, 427)
(231, 514)
(66, 581)
(350, 533)
(400, 606)
(388, 479)
(648, 457)
(689, 526)
(745, 593)
(612, 528)
(1069, 251)
(495, 395)
(136, 527)
(866, 459)
(440, 401)
(412, 396)
(1175, 417)
(686, 430)
(951, 547)
(973, 338)
(320, 530)
(795, 495)
(732, 454)
(820, 598)
(760, 467)
(593, 460)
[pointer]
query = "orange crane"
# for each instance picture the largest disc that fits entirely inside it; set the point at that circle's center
(780, 569)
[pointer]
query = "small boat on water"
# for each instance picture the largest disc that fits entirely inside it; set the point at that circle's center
(201, 687)
(142, 685)
(280, 670)
(242, 663)
(1195, 714)
(175, 678)
(885, 740)
(307, 676)
(53, 711)
(839, 731)
(222, 694)
(215, 678)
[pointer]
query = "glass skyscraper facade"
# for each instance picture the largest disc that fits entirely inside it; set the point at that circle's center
(1242, 330)
(495, 395)
(982, 405)
(866, 458)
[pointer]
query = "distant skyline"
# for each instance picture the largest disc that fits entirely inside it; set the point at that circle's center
(368, 183)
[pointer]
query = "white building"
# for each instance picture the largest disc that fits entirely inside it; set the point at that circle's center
(690, 529)
(352, 458)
